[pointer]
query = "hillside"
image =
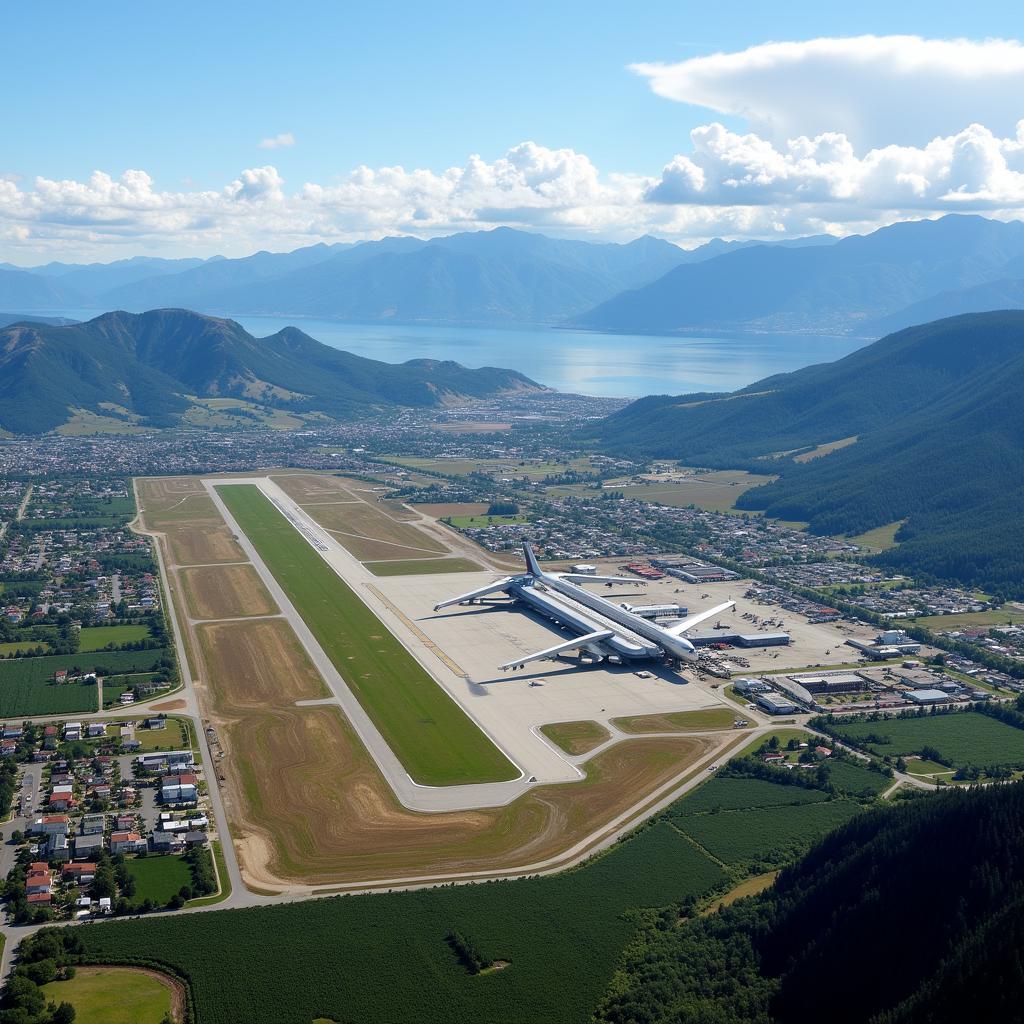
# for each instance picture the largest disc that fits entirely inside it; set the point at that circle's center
(159, 368)
(911, 914)
(940, 444)
(842, 288)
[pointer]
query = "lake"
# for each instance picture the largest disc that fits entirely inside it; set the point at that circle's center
(582, 362)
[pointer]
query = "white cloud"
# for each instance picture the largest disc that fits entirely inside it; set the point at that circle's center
(282, 141)
(972, 169)
(727, 183)
(875, 89)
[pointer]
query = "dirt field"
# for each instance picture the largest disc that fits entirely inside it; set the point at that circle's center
(179, 508)
(329, 817)
(372, 522)
(225, 592)
(257, 665)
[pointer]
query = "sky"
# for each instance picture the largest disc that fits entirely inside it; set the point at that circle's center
(194, 129)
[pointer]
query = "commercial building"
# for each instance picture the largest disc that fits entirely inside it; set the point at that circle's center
(695, 572)
(928, 697)
(830, 682)
(775, 704)
(747, 686)
(708, 637)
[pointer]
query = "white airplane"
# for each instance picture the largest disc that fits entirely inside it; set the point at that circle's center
(603, 628)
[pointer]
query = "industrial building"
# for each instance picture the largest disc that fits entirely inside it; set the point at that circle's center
(747, 686)
(831, 682)
(893, 643)
(928, 697)
(695, 572)
(775, 704)
(707, 637)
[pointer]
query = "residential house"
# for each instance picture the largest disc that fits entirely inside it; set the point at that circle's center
(179, 789)
(38, 878)
(52, 824)
(126, 842)
(79, 874)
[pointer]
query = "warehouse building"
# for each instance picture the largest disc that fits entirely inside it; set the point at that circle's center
(705, 638)
(775, 704)
(928, 697)
(747, 686)
(831, 682)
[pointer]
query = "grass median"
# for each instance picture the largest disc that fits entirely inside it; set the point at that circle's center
(435, 740)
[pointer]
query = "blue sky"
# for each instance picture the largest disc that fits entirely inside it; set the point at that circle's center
(186, 93)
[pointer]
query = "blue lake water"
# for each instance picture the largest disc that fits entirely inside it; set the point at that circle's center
(583, 362)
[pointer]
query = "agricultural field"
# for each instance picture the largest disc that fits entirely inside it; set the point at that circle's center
(713, 492)
(225, 592)
(736, 794)
(95, 638)
(1007, 615)
(21, 646)
(180, 508)
(27, 686)
(280, 965)
(856, 780)
(418, 567)
(114, 995)
(962, 738)
(703, 720)
(767, 835)
(576, 737)
(468, 522)
(881, 538)
(428, 731)
(158, 878)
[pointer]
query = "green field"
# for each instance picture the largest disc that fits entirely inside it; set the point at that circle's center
(383, 959)
(27, 686)
(158, 878)
(856, 780)
(18, 646)
(963, 738)
(107, 995)
(1005, 616)
(732, 794)
(769, 834)
(465, 522)
(95, 638)
(881, 538)
(420, 566)
(432, 736)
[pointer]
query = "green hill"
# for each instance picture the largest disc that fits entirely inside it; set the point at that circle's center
(149, 369)
(940, 444)
(912, 914)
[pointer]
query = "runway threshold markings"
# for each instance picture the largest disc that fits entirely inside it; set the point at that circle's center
(433, 737)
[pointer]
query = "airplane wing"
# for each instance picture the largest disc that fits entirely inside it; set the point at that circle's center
(581, 577)
(693, 620)
(568, 645)
(491, 588)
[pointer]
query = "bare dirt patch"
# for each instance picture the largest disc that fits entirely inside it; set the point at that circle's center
(314, 809)
(258, 664)
(225, 592)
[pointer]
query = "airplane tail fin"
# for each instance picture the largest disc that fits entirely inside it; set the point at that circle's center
(531, 559)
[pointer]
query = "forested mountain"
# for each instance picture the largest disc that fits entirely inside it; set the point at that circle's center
(909, 914)
(842, 288)
(1007, 293)
(939, 424)
(155, 368)
(90, 280)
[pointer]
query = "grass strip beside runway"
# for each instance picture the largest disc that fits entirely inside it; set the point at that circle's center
(432, 736)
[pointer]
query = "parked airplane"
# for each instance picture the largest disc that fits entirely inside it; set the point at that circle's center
(604, 628)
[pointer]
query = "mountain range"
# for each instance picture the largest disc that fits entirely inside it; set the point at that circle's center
(932, 428)
(170, 366)
(864, 285)
(501, 276)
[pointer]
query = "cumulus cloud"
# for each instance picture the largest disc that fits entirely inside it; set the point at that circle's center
(972, 169)
(282, 141)
(877, 90)
(731, 184)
